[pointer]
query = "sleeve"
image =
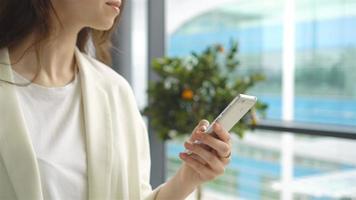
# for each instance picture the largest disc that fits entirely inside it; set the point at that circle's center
(145, 167)
(143, 151)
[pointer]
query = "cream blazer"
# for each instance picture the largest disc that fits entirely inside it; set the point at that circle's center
(116, 138)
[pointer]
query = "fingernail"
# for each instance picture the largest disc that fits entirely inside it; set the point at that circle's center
(196, 142)
(188, 145)
(203, 128)
(203, 121)
(182, 155)
(189, 141)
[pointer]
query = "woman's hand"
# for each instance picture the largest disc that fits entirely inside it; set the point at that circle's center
(207, 161)
(208, 158)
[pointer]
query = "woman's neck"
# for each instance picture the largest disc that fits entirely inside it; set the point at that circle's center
(56, 56)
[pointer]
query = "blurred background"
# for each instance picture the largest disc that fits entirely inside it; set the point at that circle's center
(305, 147)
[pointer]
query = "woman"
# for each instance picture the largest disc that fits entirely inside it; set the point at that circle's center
(69, 125)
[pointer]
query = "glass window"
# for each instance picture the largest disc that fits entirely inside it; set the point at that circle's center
(325, 64)
(324, 75)
(255, 25)
(324, 45)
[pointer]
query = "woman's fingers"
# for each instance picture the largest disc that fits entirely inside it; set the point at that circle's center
(200, 128)
(222, 145)
(221, 132)
(223, 149)
(225, 161)
(198, 158)
(208, 156)
(204, 171)
(195, 156)
(211, 154)
(203, 123)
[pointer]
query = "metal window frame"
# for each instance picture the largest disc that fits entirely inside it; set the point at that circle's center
(327, 130)
(122, 43)
(156, 48)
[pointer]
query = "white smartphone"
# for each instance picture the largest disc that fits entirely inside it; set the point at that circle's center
(232, 114)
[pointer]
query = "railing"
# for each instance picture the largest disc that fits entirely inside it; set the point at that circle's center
(338, 131)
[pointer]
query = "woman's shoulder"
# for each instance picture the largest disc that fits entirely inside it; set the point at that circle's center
(105, 72)
(112, 82)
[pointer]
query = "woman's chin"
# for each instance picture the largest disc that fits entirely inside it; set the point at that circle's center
(105, 26)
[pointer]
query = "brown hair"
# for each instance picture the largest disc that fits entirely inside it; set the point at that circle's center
(19, 18)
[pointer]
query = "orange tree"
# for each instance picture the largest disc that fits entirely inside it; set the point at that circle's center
(197, 87)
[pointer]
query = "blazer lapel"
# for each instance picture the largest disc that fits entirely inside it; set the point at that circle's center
(15, 146)
(97, 117)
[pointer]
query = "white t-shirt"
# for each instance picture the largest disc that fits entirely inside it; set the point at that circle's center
(54, 118)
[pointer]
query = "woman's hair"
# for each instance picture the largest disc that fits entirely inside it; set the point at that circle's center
(19, 18)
